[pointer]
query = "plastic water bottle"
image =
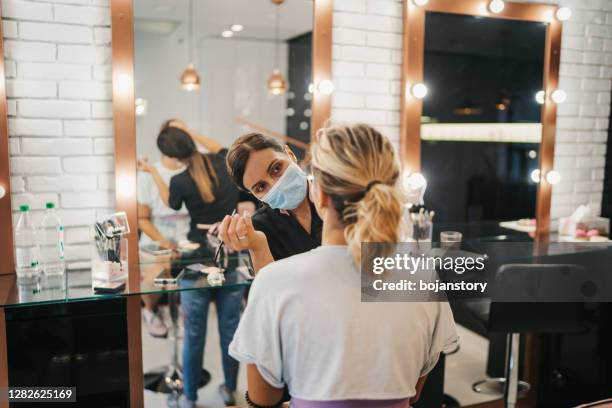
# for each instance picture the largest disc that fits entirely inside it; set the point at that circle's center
(51, 236)
(26, 249)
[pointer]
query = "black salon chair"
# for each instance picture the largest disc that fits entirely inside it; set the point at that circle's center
(531, 298)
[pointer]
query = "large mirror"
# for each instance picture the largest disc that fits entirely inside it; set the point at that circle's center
(216, 70)
(480, 127)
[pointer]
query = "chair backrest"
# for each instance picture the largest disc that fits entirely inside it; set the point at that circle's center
(599, 404)
(540, 298)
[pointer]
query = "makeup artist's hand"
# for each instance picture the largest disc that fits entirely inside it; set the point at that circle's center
(144, 165)
(238, 233)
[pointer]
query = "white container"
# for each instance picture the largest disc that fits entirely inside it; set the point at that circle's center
(26, 248)
(51, 238)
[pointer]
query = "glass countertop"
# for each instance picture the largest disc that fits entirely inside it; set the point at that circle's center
(78, 284)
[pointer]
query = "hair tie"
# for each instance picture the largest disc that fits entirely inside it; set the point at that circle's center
(370, 185)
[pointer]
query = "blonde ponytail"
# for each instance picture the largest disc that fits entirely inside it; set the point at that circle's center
(203, 173)
(356, 166)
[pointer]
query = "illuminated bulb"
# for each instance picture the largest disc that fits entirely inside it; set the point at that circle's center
(124, 82)
(563, 13)
(311, 87)
(190, 80)
(141, 106)
(2, 191)
(553, 177)
(416, 181)
(326, 87)
(124, 187)
(237, 28)
(276, 83)
(419, 90)
(532, 154)
(496, 6)
(420, 2)
(540, 97)
(227, 34)
(558, 96)
(535, 176)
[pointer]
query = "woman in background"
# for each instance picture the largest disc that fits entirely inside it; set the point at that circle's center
(208, 193)
(158, 225)
(305, 325)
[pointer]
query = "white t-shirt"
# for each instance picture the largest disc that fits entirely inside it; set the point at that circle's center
(173, 225)
(306, 327)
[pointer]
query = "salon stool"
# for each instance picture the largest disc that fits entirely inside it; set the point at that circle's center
(169, 379)
(528, 282)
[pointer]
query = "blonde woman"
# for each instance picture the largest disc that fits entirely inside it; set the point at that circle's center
(305, 326)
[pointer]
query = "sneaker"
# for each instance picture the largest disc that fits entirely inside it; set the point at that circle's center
(184, 402)
(227, 395)
(154, 323)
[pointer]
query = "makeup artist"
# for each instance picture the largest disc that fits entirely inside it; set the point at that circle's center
(208, 194)
(287, 224)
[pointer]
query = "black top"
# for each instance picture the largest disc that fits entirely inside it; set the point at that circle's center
(184, 189)
(286, 236)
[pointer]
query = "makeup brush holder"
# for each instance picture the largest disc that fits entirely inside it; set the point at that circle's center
(109, 260)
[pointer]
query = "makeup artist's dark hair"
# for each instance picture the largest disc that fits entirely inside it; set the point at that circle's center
(176, 143)
(240, 151)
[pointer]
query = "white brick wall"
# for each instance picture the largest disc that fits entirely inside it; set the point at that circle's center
(60, 118)
(367, 51)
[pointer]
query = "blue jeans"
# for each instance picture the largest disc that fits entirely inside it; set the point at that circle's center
(195, 309)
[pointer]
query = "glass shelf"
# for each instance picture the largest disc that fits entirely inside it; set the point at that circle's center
(77, 284)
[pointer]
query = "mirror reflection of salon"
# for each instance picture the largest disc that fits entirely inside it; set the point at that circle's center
(480, 129)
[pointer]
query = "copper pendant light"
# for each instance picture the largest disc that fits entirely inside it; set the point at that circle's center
(276, 83)
(190, 79)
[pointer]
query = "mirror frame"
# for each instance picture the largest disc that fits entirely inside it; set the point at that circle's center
(412, 72)
(7, 265)
(124, 125)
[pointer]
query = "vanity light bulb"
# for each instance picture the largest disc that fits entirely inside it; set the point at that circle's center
(563, 13)
(553, 177)
(416, 181)
(558, 96)
(535, 176)
(496, 6)
(420, 2)
(540, 97)
(419, 90)
(227, 34)
(124, 83)
(2, 191)
(326, 87)
(237, 28)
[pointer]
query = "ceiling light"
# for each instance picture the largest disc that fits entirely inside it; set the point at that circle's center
(563, 13)
(420, 2)
(237, 28)
(540, 97)
(190, 80)
(496, 6)
(276, 83)
(419, 90)
(227, 34)
(553, 177)
(558, 96)
(326, 87)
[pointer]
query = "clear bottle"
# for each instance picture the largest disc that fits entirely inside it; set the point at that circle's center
(51, 236)
(26, 248)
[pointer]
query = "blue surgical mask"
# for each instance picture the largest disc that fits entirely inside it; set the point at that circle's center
(289, 191)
